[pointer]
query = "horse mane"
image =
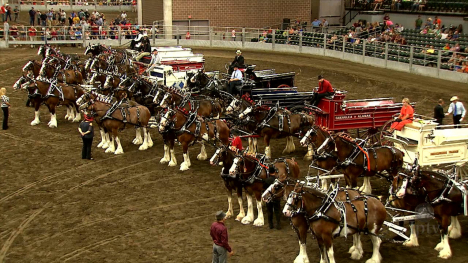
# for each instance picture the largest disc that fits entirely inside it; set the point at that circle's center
(246, 97)
(346, 137)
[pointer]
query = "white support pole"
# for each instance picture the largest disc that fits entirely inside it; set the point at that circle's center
(167, 10)
(140, 12)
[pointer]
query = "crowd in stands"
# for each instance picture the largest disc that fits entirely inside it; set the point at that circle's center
(75, 2)
(453, 6)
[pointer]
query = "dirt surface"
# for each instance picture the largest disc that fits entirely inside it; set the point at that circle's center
(55, 207)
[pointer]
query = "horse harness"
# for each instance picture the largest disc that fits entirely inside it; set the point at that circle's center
(327, 203)
(123, 110)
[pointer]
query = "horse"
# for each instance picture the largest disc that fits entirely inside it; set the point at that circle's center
(277, 122)
(200, 81)
(69, 76)
(53, 94)
(205, 107)
(225, 156)
(29, 71)
(328, 217)
(358, 160)
(190, 128)
(299, 221)
(252, 172)
(141, 90)
(117, 116)
(438, 190)
(96, 49)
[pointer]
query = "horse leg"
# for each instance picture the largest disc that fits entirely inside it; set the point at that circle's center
(67, 116)
(249, 217)
(323, 251)
(413, 239)
(310, 153)
(230, 211)
(103, 137)
(119, 146)
(454, 229)
(173, 159)
(144, 146)
(250, 146)
(444, 247)
(254, 145)
(184, 166)
(260, 221)
(286, 148)
(167, 155)
(77, 113)
(36, 120)
(266, 139)
(376, 241)
(241, 204)
(107, 137)
(366, 186)
(202, 156)
(53, 118)
(356, 250)
(292, 147)
(300, 226)
(328, 244)
(150, 141)
(137, 139)
(111, 148)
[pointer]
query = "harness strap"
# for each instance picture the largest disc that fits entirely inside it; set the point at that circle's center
(366, 156)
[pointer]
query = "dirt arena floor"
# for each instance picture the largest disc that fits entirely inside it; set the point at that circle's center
(55, 207)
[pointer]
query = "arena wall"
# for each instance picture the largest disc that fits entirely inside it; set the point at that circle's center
(224, 13)
(152, 11)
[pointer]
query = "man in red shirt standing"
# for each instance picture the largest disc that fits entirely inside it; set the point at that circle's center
(325, 89)
(219, 235)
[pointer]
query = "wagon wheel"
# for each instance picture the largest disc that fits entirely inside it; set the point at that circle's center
(383, 133)
(282, 86)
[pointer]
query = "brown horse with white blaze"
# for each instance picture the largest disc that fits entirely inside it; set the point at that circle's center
(252, 172)
(190, 128)
(329, 217)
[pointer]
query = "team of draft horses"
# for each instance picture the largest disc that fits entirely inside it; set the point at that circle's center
(117, 97)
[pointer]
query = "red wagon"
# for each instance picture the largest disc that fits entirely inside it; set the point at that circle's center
(370, 115)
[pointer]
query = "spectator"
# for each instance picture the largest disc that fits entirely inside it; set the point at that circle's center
(5, 105)
(43, 19)
(78, 34)
(219, 235)
(123, 15)
(415, 5)
(134, 6)
(455, 48)
(437, 21)
(446, 47)
(3, 12)
(458, 110)
(429, 23)
(32, 32)
(8, 12)
(324, 26)
(63, 17)
(16, 12)
(86, 130)
(439, 112)
(32, 16)
(418, 23)
(76, 20)
(233, 35)
(54, 34)
(315, 24)
(49, 17)
(397, 4)
(455, 36)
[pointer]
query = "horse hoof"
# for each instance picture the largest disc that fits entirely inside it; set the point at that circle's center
(109, 150)
(201, 157)
(172, 164)
(184, 167)
(239, 217)
(445, 254)
(246, 221)
(301, 259)
(33, 123)
(410, 243)
(118, 152)
(143, 147)
(163, 161)
(105, 146)
(307, 158)
(258, 222)
(228, 214)
(355, 255)
(439, 247)
(220, 163)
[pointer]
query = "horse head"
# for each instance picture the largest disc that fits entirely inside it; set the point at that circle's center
(294, 203)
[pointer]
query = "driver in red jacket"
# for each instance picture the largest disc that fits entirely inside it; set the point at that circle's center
(325, 89)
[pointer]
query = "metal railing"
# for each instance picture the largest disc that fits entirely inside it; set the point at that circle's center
(414, 55)
(71, 2)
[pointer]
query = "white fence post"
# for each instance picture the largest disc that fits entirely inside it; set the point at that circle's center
(211, 36)
(177, 35)
(344, 47)
(273, 39)
(243, 37)
(153, 33)
(300, 42)
(439, 62)
(120, 36)
(324, 43)
(364, 50)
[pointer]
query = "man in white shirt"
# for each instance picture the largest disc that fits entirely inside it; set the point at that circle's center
(155, 60)
(458, 111)
(123, 15)
(236, 79)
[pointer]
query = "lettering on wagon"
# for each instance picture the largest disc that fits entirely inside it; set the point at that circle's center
(352, 116)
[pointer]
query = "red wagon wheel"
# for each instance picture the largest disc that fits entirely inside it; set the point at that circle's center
(383, 133)
(282, 86)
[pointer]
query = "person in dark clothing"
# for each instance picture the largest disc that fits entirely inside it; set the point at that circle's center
(32, 16)
(219, 235)
(439, 112)
(325, 89)
(274, 206)
(5, 104)
(238, 60)
(86, 130)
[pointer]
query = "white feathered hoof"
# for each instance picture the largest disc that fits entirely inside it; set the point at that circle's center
(137, 141)
(240, 216)
(184, 166)
(356, 255)
(439, 246)
(100, 144)
(228, 214)
(259, 222)
(301, 259)
(109, 150)
(307, 157)
(105, 145)
(172, 163)
(351, 249)
(35, 122)
(220, 163)
(76, 119)
(52, 125)
(246, 220)
(201, 157)
(445, 254)
(411, 243)
(454, 232)
(119, 151)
